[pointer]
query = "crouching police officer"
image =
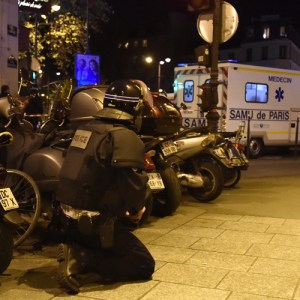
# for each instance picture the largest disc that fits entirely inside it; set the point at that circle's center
(102, 181)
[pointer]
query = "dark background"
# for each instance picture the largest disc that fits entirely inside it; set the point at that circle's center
(173, 30)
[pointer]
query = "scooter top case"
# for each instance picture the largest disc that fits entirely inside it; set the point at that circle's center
(44, 166)
(162, 118)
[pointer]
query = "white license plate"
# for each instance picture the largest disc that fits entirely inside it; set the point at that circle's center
(155, 181)
(7, 199)
(168, 148)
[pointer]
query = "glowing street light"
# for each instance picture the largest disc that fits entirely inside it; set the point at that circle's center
(55, 6)
(149, 60)
(161, 62)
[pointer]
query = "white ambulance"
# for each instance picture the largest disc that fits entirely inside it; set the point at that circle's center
(265, 100)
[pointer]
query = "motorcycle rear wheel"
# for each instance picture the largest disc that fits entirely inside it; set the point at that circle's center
(214, 182)
(27, 193)
(167, 201)
(232, 177)
(7, 245)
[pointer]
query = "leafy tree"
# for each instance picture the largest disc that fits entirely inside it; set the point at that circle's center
(65, 38)
(59, 37)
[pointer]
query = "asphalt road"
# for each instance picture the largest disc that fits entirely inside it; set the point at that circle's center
(269, 188)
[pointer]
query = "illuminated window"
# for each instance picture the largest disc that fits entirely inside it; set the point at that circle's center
(126, 45)
(145, 43)
(135, 44)
(256, 92)
(282, 31)
(188, 91)
(266, 32)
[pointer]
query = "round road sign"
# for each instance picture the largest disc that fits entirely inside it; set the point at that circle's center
(230, 20)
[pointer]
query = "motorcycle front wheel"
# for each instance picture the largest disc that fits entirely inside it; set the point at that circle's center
(166, 202)
(27, 194)
(213, 182)
(232, 177)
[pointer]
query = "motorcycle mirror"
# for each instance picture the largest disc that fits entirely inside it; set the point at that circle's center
(183, 106)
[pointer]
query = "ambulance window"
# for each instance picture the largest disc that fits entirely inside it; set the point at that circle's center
(188, 91)
(256, 92)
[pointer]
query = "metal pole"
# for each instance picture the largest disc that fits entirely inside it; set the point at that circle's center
(158, 76)
(35, 36)
(248, 137)
(213, 116)
(296, 137)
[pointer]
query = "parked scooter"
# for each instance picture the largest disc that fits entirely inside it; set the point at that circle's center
(196, 162)
(7, 226)
(19, 206)
(205, 162)
(234, 152)
(163, 180)
(44, 163)
(18, 182)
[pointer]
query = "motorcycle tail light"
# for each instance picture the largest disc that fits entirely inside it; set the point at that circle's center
(149, 164)
(3, 174)
(240, 147)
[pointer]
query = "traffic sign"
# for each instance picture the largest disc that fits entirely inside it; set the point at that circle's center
(229, 25)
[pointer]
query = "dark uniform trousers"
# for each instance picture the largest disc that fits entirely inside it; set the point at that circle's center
(127, 260)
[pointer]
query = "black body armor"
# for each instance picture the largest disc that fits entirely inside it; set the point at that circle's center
(103, 170)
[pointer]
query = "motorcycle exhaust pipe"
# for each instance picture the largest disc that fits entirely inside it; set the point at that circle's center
(190, 180)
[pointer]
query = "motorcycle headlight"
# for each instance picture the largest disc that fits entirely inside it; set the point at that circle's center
(220, 152)
(208, 141)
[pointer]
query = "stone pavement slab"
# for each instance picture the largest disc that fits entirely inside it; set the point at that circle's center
(199, 255)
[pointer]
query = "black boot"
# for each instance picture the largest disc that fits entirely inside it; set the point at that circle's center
(72, 262)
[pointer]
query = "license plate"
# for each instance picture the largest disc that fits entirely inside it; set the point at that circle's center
(155, 181)
(7, 199)
(168, 148)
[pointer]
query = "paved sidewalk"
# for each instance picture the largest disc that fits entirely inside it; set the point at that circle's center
(199, 255)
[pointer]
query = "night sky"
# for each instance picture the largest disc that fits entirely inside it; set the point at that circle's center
(137, 12)
(136, 19)
(139, 18)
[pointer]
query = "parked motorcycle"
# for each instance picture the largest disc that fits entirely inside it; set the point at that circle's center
(205, 162)
(44, 163)
(196, 162)
(19, 206)
(234, 152)
(163, 181)
(7, 227)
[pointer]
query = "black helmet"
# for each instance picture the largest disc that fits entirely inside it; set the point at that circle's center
(123, 100)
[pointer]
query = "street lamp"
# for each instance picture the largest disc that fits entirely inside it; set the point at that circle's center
(55, 7)
(161, 62)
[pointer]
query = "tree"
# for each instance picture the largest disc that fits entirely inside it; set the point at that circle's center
(65, 38)
(59, 37)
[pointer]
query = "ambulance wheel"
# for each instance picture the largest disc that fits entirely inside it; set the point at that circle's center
(213, 182)
(232, 177)
(256, 148)
(167, 201)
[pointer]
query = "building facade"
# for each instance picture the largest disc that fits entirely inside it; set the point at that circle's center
(9, 44)
(269, 41)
